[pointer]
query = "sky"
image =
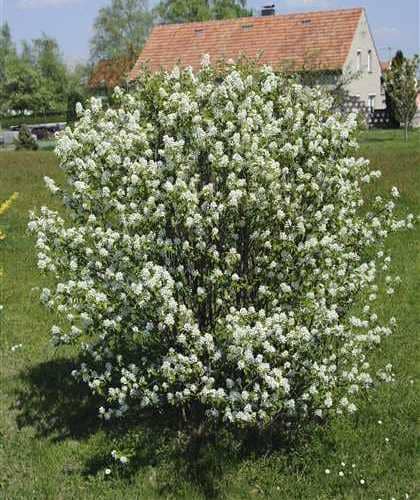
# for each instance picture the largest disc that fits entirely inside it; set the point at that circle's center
(394, 23)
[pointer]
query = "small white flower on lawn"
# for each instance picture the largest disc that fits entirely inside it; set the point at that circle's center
(394, 192)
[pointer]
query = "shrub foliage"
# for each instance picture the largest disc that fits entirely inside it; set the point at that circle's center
(216, 244)
(25, 139)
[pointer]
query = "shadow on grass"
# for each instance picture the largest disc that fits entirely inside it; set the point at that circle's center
(378, 139)
(186, 462)
(54, 404)
(58, 408)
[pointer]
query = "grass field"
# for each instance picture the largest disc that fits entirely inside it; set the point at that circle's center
(52, 446)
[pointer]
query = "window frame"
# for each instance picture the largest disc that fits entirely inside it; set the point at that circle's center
(369, 61)
(371, 103)
(359, 60)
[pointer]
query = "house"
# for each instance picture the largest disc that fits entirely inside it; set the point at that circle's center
(336, 41)
(109, 73)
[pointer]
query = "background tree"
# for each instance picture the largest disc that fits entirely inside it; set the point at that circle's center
(35, 78)
(7, 48)
(226, 9)
(396, 62)
(53, 73)
(21, 88)
(121, 29)
(179, 11)
(401, 84)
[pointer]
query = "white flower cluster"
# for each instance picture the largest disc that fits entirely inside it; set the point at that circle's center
(215, 246)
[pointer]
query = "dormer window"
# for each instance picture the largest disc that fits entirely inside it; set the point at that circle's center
(370, 61)
(359, 60)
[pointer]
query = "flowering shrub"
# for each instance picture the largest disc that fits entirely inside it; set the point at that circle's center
(216, 244)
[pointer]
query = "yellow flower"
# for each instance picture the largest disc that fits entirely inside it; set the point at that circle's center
(7, 204)
(4, 207)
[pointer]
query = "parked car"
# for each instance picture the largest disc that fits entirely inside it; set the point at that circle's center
(42, 133)
(9, 137)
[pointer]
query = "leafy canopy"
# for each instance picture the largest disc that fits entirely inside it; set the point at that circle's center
(34, 79)
(121, 29)
(180, 11)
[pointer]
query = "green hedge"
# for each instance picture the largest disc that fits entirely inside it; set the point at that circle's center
(11, 121)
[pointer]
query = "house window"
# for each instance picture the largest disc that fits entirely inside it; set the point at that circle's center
(371, 103)
(359, 60)
(382, 86)
(370, 61)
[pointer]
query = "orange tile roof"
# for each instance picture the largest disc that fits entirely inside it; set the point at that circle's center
(110, 72)
(325, 36)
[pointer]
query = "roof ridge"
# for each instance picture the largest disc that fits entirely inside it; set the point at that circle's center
(265, 18)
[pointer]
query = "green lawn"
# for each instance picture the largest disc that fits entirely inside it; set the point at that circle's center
(52, 446)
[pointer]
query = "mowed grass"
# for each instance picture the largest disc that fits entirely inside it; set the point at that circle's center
(52, 446)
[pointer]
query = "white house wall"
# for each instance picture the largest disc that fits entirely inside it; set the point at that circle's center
(369, 82)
